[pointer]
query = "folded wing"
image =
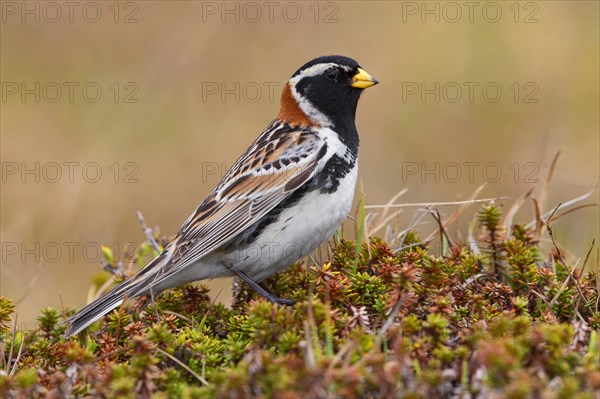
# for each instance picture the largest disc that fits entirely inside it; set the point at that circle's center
(279, 162)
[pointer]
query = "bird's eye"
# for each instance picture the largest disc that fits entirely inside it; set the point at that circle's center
(332, 74)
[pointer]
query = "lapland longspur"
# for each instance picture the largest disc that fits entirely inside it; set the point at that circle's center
(287, 193)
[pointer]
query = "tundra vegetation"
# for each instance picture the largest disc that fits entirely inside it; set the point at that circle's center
(511, 314)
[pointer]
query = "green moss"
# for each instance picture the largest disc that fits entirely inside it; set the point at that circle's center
(26, 378)
(498, 323)
(7, 308)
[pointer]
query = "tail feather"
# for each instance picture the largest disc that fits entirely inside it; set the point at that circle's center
(95, 310)
(135, 286)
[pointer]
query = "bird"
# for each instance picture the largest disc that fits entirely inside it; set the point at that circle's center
(289, 192)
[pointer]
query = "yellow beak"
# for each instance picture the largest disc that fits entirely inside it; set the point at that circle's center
(362, 80)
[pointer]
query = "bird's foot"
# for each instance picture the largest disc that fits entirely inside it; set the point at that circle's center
(280, 301)
(263, 291)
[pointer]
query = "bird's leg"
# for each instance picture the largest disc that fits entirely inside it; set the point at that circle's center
(262, 291)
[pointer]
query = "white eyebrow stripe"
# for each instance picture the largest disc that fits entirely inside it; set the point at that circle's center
(317, 70)
(313, 71)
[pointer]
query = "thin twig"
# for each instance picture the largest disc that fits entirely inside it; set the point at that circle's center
(309, 355)
(31, 284)
(340, 354)
(93, 293)
(63, 313)
(564, 205)
(564, 262)
(184, 366)
(546, 183)
(539, 221)
(401, 237)
(14, 368)
(426, 204)
(587, 257)
(390, 320)
(391, 202)
(148, 232)
(12, 344)
(461, 209)
(507, 222)
(442, 230)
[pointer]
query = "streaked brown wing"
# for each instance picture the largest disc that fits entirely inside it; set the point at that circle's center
(279, 162)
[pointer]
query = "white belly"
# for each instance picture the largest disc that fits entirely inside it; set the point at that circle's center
(298, 230)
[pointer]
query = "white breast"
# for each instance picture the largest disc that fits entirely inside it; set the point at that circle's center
(298, 230)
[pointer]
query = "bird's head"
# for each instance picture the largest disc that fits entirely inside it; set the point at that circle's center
(324, 92)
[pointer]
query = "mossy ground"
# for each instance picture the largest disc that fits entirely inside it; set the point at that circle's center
(499, 319)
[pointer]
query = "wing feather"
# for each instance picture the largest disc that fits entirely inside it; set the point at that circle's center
(279, 162)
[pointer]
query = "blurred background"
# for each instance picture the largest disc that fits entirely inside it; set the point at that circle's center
(109, 108)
